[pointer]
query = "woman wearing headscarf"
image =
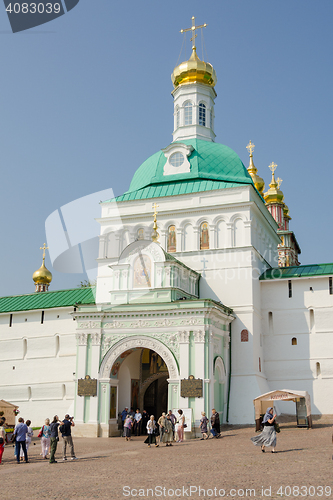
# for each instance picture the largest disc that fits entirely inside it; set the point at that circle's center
(167, 434)
(268, 436)
(151, 427)
(161, 424)
(203, 425)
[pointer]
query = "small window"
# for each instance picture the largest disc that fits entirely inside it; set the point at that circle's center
(10, 320)
(188, 113)
(312, 321)
(176, 160)
(294, 341)
(202, 114)
(74, 311)
(244, 336)
(259, 364)
(330, 285)
(177, 117)
(290, 290)
(29, 393)
(57, 349)
(25, 348)
(318, 370)
(42, 317)
(270, 323)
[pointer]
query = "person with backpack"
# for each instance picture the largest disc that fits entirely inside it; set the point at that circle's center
(66, 433)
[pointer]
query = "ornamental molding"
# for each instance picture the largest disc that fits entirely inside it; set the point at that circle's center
(82, 338)
(184, 337)
(199, 336)
(89, 325)
(168, 339)
(96, 338)
(134, 342)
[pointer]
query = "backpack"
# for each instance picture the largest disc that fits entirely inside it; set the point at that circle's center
(62, 428)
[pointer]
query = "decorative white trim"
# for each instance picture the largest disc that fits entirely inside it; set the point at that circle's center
(184, 150)
(143, 342)
(82, 338)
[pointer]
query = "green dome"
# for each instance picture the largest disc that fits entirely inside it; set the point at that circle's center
(208, 160)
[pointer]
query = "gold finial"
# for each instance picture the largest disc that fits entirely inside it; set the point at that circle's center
(272, 167)
(193, 28)
(155, 234)
(44, 247)
(250, 147)
(279, 182)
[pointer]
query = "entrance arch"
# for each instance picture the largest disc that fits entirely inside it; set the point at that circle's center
(132, 343)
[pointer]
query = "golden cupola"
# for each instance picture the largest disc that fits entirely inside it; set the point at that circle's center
(274, 195)
(252, 170)
(194, 71)
(42, 277)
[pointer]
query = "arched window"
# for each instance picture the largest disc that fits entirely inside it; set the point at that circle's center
(202, 114)
(57, 340)
(141, 234)
(238, 233)
(204, 236)
(318, 370)
(171, 246)
(270, 323)
(188, 238)
(312, 322)
(188, 113)
(177, 117)
(25, 348)
(294, 341)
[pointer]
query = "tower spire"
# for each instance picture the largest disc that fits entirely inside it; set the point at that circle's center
(257, 181)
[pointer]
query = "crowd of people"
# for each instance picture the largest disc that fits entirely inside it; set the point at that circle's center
(168, 428)
(48, 434)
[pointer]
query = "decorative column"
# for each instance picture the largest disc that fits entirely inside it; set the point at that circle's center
(102, 245)
(212, 236)
(96, 338)
(199, 349)
(230, 239)
(184, 357)
(196, 235)
(247, 233)
(82, 342)
(179, 240)
(210, 400)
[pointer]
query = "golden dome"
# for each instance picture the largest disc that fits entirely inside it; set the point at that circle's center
(252, 170)
(286, 212)
(194, 71)
(42, 276)
(274, 194)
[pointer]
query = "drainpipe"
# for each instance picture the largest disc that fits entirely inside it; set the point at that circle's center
(229, 382)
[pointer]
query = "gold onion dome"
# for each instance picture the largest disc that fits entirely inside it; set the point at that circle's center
(274, 194)
(42, 276)
(252, 170)
(194, 71)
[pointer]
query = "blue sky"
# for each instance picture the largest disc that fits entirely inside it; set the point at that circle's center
(86, 99)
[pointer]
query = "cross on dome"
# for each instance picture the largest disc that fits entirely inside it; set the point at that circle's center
(272, 167)
(193, 28)
(279, 182)
(250, 147)
(44, 247)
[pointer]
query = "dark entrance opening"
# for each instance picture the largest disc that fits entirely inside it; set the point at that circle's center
(156, 397)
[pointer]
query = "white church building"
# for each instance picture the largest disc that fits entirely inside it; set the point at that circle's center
(200, 301)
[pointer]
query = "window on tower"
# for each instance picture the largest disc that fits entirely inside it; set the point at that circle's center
(177, 117)
(202, 114)
(188, 113)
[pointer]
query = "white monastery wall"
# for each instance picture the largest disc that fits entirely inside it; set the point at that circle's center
(38, 362)
(306, 317)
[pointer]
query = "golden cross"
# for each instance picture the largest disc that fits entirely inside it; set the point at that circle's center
(44, 247)
(193, 28)
(155, 206)
(272, 167)
(279, 182)
(250, 147)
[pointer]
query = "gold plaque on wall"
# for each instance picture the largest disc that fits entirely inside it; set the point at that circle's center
(191, 387)
(87, 386)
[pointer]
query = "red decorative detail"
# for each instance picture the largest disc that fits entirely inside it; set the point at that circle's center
(244, 336)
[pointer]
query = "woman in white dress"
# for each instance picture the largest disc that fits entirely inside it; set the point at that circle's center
(180, 428)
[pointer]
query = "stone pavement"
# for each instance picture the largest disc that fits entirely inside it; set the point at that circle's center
(231, 466)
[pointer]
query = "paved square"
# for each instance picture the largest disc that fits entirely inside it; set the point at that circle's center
(113, 468)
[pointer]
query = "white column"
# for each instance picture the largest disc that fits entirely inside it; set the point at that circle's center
(199, 349)
(95, 360)
(82, 338)
(184, 357)
(230, 240)
(212, 236)
(196, 233)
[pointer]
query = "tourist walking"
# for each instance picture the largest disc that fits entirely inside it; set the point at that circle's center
(20, 433)
(268, 436)
(66, 432)
(124, 414)
(45, 440)
(54, 438)
(203, 425)
(28, 437)
(144, 422)
(215, 423)
(128, 427)
(2, 438)
(137, 422)
(161, 424)
(151, 428)
(167, 434)
(180, 427)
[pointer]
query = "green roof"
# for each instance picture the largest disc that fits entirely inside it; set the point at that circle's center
(213, 166)
(47, 300)
(297, 271)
